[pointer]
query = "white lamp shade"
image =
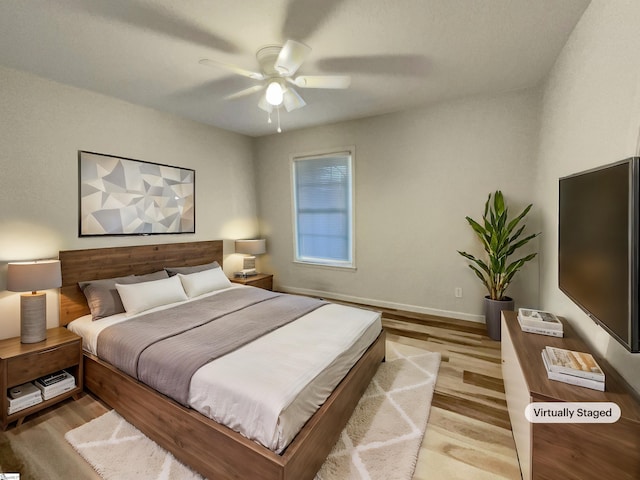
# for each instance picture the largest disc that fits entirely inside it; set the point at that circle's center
(33, 276)
(251, 247)
(264, 104)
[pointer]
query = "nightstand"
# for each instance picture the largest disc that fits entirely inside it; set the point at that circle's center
(261, 280)
(24, 362)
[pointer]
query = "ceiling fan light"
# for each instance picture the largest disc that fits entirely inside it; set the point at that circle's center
(274, 94)
(292, 100)
(264, 105)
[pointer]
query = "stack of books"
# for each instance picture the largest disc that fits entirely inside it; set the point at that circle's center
(23, 396)
(537, 321)
(576, 368)
(56, 384)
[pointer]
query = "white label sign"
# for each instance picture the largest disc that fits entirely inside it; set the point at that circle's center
(572, 412)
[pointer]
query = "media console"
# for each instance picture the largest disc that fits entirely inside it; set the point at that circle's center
(566, 450)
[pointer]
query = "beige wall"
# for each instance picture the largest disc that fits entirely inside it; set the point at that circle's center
(590, 117)
(418, 174)
(42, 126)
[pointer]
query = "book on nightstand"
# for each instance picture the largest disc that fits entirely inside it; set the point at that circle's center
(52, 378)
(571, 379)
(24, 392)
(22, 396)
(246, 272)
(64, 382)
(16, 406)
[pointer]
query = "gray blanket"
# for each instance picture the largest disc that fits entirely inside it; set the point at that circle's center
(164, 349)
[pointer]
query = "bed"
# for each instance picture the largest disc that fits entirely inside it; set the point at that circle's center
(212, 449)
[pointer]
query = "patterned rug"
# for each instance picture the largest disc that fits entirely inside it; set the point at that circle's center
(380, 442)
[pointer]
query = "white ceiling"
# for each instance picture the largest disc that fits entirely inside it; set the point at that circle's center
(399, 53)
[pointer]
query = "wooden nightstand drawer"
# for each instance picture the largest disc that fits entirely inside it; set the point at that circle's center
(36, 364)
(266, 283)
(261, 280)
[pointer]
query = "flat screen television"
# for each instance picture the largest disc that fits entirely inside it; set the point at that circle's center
(598, 246)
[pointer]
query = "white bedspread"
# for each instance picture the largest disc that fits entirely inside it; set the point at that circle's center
(268, 389)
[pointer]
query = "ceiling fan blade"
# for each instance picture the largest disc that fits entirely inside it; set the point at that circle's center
(323, 81)
(292, 100)
(264, 105)
(291, 57)
(245, 92)
(232, 68)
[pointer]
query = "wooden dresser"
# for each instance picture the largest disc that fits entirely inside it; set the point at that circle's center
(566, 450)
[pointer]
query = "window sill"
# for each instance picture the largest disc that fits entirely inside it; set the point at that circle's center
(329, 266)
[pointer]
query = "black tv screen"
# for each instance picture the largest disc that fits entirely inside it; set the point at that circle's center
(598, 246)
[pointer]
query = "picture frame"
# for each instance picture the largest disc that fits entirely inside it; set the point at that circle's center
(124, 196)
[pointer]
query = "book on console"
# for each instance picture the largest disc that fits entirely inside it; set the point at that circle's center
(541, 331)
(571, 379)
(578, 364)
(539, 318)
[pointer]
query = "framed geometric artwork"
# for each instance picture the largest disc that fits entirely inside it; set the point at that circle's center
(122, 196)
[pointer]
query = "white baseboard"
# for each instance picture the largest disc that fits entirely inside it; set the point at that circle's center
(381, 303)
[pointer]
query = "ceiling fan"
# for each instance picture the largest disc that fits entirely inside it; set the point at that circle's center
(278, 65)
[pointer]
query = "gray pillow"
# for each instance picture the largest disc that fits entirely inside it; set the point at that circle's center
(103, 282)
(103, 301)
(187, 270)
(103, 298)
(149, 277)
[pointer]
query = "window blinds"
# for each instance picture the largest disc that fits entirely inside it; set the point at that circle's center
(323, 210)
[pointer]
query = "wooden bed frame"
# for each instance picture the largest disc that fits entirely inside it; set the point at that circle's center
(208, 447)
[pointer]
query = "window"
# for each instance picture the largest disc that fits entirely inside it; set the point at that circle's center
(323, 209)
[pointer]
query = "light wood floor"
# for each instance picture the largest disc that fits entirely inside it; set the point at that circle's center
(468, 435)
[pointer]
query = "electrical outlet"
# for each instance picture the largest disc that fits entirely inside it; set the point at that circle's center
(458, 292)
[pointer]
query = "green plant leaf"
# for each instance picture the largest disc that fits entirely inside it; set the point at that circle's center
(520, 243)
(500, 241)
(480, 276)
(516, 220)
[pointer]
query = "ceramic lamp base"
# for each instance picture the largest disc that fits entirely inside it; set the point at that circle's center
(33, 317)
(248, 262)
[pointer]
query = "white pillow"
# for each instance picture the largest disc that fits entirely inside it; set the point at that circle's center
(138, 297)
(204, 282)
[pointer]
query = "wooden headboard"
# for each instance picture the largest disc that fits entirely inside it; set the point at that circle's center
(97, 263)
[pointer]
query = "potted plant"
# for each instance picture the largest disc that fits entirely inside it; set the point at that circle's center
(500, 238)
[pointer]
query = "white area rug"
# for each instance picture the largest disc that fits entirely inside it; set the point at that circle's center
(380, 442)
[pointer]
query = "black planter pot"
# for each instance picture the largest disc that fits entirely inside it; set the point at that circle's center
(492, 310)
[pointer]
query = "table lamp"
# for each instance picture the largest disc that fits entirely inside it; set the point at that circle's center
(31, 277)
(251, 248)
